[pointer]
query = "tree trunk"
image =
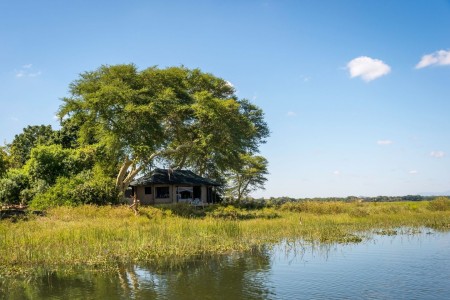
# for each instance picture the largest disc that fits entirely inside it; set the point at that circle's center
(121, 176)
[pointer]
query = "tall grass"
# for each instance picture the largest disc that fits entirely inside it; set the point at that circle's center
(103, 236)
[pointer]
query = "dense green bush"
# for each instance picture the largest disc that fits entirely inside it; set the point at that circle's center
(50, 162)
(11, 186)
(84, 188)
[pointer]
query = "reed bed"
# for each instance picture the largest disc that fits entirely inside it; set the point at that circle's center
(99, 237)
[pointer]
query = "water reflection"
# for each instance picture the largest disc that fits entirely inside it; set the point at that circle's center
(389, 266)
(236, 276)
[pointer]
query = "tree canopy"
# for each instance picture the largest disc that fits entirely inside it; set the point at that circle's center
(248, 176)
(119, 122)
(20, 148)
(176, 117)
(4, 162)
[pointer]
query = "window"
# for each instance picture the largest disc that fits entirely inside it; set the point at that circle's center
(162, 192)
(148, 190)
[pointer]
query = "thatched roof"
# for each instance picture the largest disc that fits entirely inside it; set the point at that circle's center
(181, 177)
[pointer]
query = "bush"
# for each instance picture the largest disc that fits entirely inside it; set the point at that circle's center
(439, 204)
(84, 188)
(11, 186)
(50, 162)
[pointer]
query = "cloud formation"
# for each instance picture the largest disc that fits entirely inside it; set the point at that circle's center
(384, 142)
(439, 58)
(437, 154)
(291, 114)
(413, 172)
(26, 71)
(367, 68)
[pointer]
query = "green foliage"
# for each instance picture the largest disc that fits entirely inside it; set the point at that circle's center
(176, 116)
(50, 162)
(247, 174)
(440, 204)
(11, 186)
(4, 162)
(20, 148)
(83, 188)
(68, 135)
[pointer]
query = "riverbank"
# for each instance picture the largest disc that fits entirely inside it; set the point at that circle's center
(101, 237)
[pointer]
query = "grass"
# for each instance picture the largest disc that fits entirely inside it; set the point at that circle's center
(100, 237)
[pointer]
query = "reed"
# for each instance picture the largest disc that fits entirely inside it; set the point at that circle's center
(99, 237)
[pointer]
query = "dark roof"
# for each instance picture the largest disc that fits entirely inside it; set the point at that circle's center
(164, 176)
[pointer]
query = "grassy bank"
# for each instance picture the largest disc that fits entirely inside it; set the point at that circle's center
(104, 236)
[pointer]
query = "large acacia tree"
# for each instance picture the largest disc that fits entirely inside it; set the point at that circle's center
(176, 117)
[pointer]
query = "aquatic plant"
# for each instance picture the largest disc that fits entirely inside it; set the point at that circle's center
(101, 236)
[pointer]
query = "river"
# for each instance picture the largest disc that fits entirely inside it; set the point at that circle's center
(388, 265)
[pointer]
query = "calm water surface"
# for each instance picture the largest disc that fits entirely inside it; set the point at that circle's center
(402, 266)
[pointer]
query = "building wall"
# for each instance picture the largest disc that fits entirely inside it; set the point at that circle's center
(152, 199)
(163, 200)
(145, 198)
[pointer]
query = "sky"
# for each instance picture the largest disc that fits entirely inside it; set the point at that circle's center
(356, 93)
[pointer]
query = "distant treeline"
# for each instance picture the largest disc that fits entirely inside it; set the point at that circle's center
(276, 201)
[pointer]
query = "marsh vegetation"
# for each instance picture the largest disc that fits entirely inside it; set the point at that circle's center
(100, 237)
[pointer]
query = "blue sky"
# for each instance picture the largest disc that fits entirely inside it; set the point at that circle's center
(356, 93)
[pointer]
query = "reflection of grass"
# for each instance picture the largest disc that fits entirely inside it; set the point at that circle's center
(101, 236)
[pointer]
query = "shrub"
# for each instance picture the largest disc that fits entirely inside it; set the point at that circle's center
(439, 204)
(50, 162)
(11, 186)
(84, 188)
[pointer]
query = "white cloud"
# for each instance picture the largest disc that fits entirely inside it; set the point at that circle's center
(437, 154)
(413, 172)
(26, 71)
(20, 74)
(384, 142)
(440, 58)
(291, 114)
(34, 74)
(337, 172)
(367, 68)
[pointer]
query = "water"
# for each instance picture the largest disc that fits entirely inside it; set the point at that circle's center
(402, 266)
